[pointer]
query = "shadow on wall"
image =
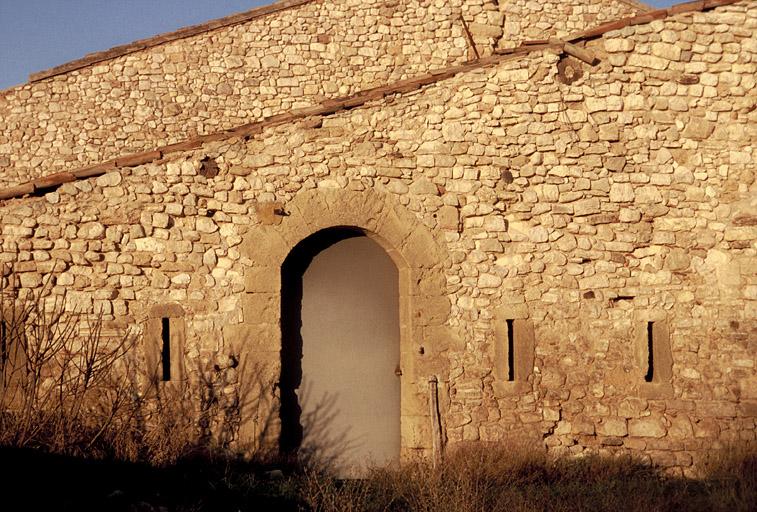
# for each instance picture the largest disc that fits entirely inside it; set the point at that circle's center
(84, 423)
(304, 435)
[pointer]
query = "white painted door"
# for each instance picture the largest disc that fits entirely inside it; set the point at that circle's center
(350, 392)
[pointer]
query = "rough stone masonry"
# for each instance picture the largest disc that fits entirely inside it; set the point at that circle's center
(567, 189)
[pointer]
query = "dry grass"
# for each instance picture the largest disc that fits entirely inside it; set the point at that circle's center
(475, 478)
(483, 478)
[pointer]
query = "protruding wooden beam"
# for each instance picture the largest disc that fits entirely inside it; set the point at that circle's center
(17, 191)
(469, 36)
(138, 158)
(580, 53)
(94, 170)
(54, 180)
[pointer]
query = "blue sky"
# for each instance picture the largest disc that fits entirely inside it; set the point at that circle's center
(40, 34)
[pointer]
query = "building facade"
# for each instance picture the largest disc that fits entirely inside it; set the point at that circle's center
(565, 192)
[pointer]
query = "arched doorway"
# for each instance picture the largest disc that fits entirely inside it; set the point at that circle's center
(340, 384)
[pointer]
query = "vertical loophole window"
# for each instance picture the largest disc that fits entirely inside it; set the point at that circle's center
(513, 353)
(510, 351)
(655, 352)
(164, 338)
(166, 349)
(649, 377)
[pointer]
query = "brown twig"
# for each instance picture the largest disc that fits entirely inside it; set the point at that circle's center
(470, 38)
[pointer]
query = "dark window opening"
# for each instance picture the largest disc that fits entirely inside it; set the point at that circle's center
(650, 352)
(166, 350)
(510, 351)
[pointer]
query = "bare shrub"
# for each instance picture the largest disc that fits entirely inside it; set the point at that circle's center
(63, 384)
(66, 388)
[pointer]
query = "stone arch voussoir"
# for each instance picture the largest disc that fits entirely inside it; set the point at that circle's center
(420, 257)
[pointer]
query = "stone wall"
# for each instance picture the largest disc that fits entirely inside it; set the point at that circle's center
(581, 212)
(529, 19)
(238, 74)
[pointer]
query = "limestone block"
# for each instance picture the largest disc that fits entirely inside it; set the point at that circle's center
(485, 30)
(632, 407)
(621, 192)
(538, 234)
(270, 213)
(647, 195)
(489, 281)
(258, 341)
(595, 104)
(424, 186)
(416, 431)
(261, 308)
(680, 427)
(30, 280)
(748, 388)
(706, 428)
(209, 258)
(666, 51)
(257, 161)
(677, 260)
(716, 408)
(582, 426)
(586, 206)
(160, 220)
(615, 163)
(449, 218)
(262, 279)
(647, 61)
(110, 179)
(596, 281)
(453, 132)
(698, 129)
(160, 280)
(551, 414)
(431, 310)
(421, 250)
(563, 427)
(549, 193)
(91, 231)
(205, 225)
(614, 45)
(615, 427)
(149, 245)
(651, 426)
(181, 280)
(741, 233)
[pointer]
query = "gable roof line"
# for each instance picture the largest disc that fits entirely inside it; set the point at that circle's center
(193, 30)
(637, 4)
(182, 33)
(647, 17)
(327, 107)
(332, 106)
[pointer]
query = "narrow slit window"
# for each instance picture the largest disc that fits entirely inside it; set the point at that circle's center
(649, 377)
(510, 351)
(166, 350)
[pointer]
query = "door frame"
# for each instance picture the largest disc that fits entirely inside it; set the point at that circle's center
(424, 304)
